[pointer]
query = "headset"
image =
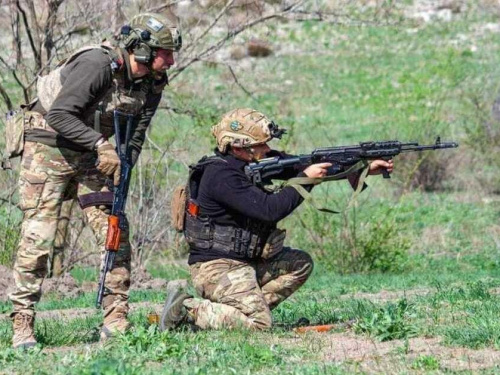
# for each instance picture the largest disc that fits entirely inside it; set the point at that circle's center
(143, 53)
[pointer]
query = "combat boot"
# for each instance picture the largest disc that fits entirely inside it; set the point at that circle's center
(174, 312)
(24, 334)
(115, 322)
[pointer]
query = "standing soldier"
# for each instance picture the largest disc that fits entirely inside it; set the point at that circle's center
(237, 259)
(66, 142)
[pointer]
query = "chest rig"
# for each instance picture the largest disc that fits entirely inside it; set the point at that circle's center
(202, 233)
(123, 95)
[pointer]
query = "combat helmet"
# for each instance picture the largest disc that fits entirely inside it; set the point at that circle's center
(244, 127)
(151, 30)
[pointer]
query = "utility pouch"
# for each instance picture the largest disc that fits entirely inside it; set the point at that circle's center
(274, 243)
(178, 208)
(198, 232)
(14, 136)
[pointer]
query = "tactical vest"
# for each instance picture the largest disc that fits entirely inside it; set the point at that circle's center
(119, 96)
(202, 233)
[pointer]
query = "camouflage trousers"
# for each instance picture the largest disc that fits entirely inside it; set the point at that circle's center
(240, 294)
(46, 174)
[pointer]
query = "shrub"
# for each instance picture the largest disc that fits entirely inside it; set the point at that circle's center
(390, 322)
(354, 247)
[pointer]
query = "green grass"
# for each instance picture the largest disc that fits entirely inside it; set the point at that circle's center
(459, 308)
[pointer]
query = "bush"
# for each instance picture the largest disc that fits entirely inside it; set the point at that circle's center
(354, 247)
(10, 230)
(390, 322)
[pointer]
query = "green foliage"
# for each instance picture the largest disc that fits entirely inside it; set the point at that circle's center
(10, 230)
(426, 362)
(357, 246)
(390, 322)
(58, 333)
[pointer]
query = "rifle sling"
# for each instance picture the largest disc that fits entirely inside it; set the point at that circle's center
(298, 182)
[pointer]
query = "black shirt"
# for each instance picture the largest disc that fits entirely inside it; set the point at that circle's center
(228, 197)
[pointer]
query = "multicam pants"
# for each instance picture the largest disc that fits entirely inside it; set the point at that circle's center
(239, 294)
(46, 173)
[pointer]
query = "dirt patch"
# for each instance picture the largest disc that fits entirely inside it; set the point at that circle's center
(69, 314)
(386, 295)
(64, 286)
(372, 356)
(67, 287)
(6, 282)
(141, 279)
(394, 295)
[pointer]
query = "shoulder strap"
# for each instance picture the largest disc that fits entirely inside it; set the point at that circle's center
(113, 56)
(298, 182)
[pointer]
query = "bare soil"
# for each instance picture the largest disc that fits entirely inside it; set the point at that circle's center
(390, 357)
(388, 295)
(67, 287)
(6, 282)
(393, 295)
(69, 314)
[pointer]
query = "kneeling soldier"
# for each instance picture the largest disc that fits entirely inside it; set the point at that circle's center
(237, 259)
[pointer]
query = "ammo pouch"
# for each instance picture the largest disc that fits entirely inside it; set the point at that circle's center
(14, 136)
(178, 208)
(274, 243)
(201, 233)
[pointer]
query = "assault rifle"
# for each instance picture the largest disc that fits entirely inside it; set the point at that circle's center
(342, 157)
(117, 221)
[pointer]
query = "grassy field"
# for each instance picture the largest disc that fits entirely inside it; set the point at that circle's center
(441, 320)
(409, 272)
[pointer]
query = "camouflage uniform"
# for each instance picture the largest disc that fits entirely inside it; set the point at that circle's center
(45, 175)
(242, 294)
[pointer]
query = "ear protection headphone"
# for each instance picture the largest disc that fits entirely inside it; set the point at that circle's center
(143, 53)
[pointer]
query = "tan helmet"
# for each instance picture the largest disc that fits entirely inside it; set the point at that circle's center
(152, 30)
(244, 127)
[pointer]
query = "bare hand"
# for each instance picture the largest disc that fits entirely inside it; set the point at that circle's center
(317, 170)
(378, 166)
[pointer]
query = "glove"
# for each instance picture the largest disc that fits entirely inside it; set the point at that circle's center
(108, 161)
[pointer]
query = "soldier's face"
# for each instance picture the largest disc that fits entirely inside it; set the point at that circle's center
(163, 61)
(253, 153)
(260, 151)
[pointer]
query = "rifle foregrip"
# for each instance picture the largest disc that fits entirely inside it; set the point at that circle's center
(113, 235)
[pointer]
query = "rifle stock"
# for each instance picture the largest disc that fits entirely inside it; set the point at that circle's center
(113, 235)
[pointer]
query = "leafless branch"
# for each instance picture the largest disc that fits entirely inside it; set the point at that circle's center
(211, 26)
(159, 8)
(179, 111)
(34, 49)
(238, 82)
(231, 34)
(6, 97)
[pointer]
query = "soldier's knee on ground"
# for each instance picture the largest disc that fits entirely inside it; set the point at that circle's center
(303, 266)
(263, 321)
